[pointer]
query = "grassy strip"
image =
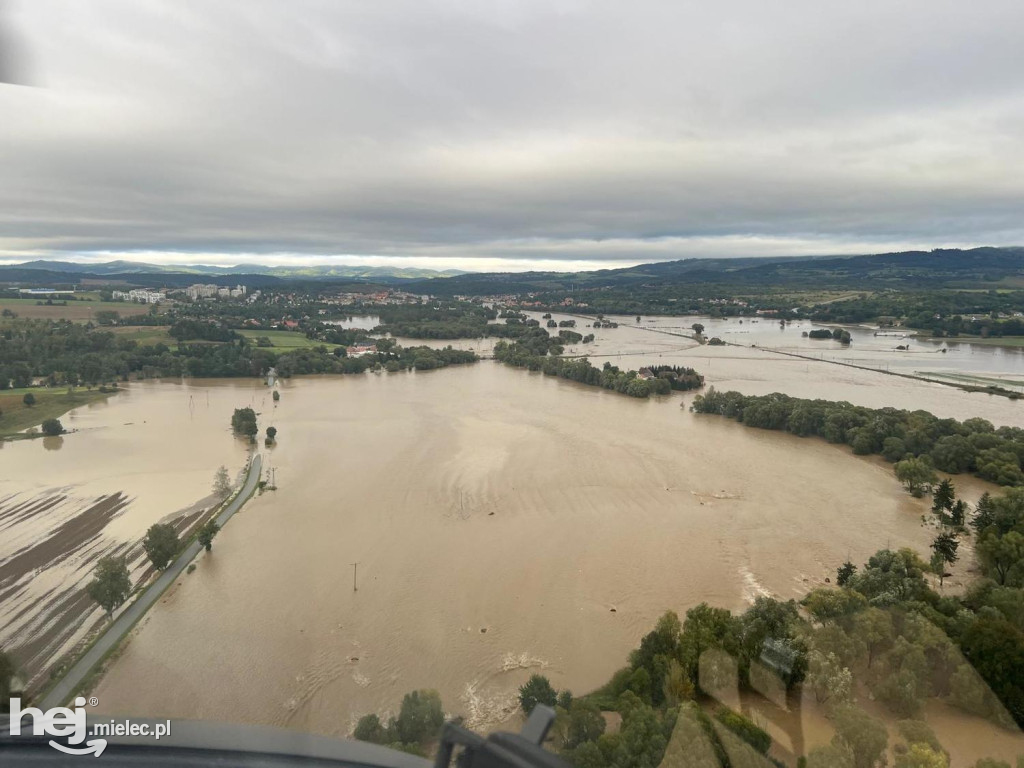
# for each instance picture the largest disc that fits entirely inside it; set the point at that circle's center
(285, 339)
(50, 404)
(985, 341)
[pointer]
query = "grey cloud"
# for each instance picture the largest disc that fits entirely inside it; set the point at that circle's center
(517, 130)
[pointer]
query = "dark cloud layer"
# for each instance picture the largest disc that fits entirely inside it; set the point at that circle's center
(471, 134)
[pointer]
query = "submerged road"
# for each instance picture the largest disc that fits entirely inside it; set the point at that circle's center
(61, 693)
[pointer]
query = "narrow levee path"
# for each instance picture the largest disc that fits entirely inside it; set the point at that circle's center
(79, 671)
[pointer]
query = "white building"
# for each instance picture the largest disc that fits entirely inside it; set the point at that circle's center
(201, 291)
(140, 295)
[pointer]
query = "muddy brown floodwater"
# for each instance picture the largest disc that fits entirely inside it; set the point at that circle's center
(503, 523)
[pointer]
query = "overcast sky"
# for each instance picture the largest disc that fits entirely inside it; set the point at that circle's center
(507, 134)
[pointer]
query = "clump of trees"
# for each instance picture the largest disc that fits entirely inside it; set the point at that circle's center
(947, 445)
(243, 422)
(418, 723)
(679, 378)
(580, 370)
(271, 435)
(839, 334)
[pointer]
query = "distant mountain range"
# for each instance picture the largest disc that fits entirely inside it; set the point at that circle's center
(905, 269)
(319, 271)
(950, 268)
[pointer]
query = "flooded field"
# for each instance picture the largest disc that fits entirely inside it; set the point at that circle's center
(145, 455)
(503, 523)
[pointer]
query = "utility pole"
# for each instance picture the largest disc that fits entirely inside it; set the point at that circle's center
(355, 568)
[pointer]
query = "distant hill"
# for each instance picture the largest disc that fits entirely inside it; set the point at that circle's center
(976, 267)
(314, 272)
(949, 268)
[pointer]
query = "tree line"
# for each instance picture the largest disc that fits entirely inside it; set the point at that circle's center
(65, 353)
(973, 445)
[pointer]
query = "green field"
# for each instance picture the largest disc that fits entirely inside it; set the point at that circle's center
(145, 335)
(50, 403)
(285, 339)
(79, 311)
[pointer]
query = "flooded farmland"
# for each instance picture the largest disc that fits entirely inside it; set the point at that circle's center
(502, 522)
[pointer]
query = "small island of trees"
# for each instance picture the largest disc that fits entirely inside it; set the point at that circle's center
(630, 383)
(243, 422)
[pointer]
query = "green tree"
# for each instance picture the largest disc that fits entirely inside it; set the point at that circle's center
(872, 628)
(369, 728)
(643, 739)
(995, 648)
(916, 475)
(271, 434)
(828, 677)
(29, 399)
(958, 514)
(922, 756)
(52, 427)
(945, 547)
(844, 573)
(866, 737)
(589, 755)
(536, 690)
(698, 328)
(943, 497)
(1002, 557)
(161, 544)
(984, 513)
(276, 396)
(420, 717)
(111, 584)
(706, 628)
(206, 533)
(221, 483)
(893, 449)
(585, 723)
(826, 604)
